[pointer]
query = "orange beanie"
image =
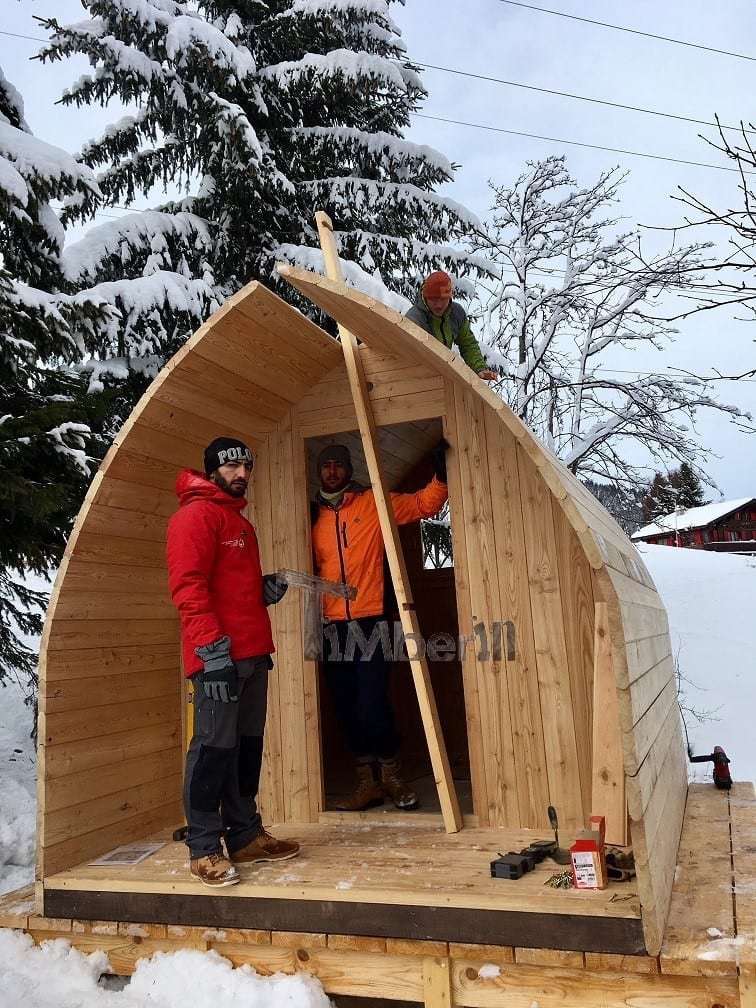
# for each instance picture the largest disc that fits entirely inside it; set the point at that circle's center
(438, 285)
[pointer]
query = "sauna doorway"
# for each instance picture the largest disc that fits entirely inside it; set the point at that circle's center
(404, 451)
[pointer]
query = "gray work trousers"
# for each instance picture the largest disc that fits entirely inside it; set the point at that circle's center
(223, 763)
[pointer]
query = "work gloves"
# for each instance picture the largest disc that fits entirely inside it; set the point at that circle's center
(438, 459)
(219, 672)
(273, 589)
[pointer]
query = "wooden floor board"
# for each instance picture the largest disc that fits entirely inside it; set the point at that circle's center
(395, 878)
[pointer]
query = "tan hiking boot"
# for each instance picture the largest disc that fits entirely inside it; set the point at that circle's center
(214, 870)
(265, 848)
(395, 788)
(369, 791)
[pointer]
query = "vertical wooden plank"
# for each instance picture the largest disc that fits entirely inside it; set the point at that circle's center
(576, 579)
(747, 984)
(310, 679)
(287, 484)
(259, 512)
(702, 894)
(477, 736)
(420, 674)
(743, 826)
(437, 990)
(529, 768)
(554, 684)
(608, 775)
(477, 539)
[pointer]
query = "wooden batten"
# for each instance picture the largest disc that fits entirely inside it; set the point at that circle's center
(563, 681)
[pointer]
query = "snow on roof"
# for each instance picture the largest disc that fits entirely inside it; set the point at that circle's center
(691, 518)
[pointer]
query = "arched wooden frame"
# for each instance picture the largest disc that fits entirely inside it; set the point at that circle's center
(531, 544)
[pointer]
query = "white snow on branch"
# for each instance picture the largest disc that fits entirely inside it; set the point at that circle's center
(186, 33)
(234, 115)
(127, 60)
(12, 183)
(351, 65)
(33, 158)
(377, 143)
(352, 192)
(82, 259)
(63, 435)
(118, 369)
(158, 290)
(14, 99)
(367, 10)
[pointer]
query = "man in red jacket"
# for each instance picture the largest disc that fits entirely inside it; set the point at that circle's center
(348, 546)
(217, 584)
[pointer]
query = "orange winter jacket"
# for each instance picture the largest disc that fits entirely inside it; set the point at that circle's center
(347, 543)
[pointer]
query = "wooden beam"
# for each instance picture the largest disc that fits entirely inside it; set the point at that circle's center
(608, 777)
(420, 672)
(437, 992)
(568, 931)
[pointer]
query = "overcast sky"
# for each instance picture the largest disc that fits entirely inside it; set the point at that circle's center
(516, 43)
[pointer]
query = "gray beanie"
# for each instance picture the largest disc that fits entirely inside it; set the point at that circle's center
(336, 453)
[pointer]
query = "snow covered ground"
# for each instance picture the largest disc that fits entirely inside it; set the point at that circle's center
(711, 601)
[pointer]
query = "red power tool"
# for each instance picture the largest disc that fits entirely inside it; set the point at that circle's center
(721, 775)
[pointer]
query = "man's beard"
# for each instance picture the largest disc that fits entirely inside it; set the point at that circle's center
(235, 487)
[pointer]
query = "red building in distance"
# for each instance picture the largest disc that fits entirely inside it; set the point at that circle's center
(726, 527)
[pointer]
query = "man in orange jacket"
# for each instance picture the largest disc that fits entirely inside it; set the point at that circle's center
(348, 546)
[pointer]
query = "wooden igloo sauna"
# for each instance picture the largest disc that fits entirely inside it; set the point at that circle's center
(577, 709)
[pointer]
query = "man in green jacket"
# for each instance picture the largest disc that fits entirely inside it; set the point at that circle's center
(443, 318)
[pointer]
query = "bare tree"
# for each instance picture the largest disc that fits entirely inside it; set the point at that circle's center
(565, 297)
(734, 285)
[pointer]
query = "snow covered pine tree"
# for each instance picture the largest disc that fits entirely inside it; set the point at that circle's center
(251, 116)
(45, 415)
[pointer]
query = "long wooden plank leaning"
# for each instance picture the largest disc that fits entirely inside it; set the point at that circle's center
(420, 673)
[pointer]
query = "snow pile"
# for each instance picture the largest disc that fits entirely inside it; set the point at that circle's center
(706, 596)
(17, 796)
(17, 829)
(53, 974)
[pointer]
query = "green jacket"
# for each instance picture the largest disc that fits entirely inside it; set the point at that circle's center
(452, 328)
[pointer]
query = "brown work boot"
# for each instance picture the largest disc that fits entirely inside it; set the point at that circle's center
(395, 788)
(214, 870)
(369, 791)
(265, 848)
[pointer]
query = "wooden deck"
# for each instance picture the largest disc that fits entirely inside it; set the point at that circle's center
(408, 912)
(378, 875)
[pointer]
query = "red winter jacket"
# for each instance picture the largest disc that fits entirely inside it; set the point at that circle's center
(214, 572)
(347, 543)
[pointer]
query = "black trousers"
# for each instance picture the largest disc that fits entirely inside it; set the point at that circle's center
(223, 763)
(357, 661)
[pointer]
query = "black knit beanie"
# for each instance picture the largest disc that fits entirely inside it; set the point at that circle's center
(225, 449)
(336, 453)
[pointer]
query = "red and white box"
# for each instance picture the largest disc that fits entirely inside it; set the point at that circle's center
(588, 855)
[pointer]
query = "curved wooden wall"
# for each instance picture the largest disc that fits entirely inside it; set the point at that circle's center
(110, 731)
(532, 543)
(531, 546)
